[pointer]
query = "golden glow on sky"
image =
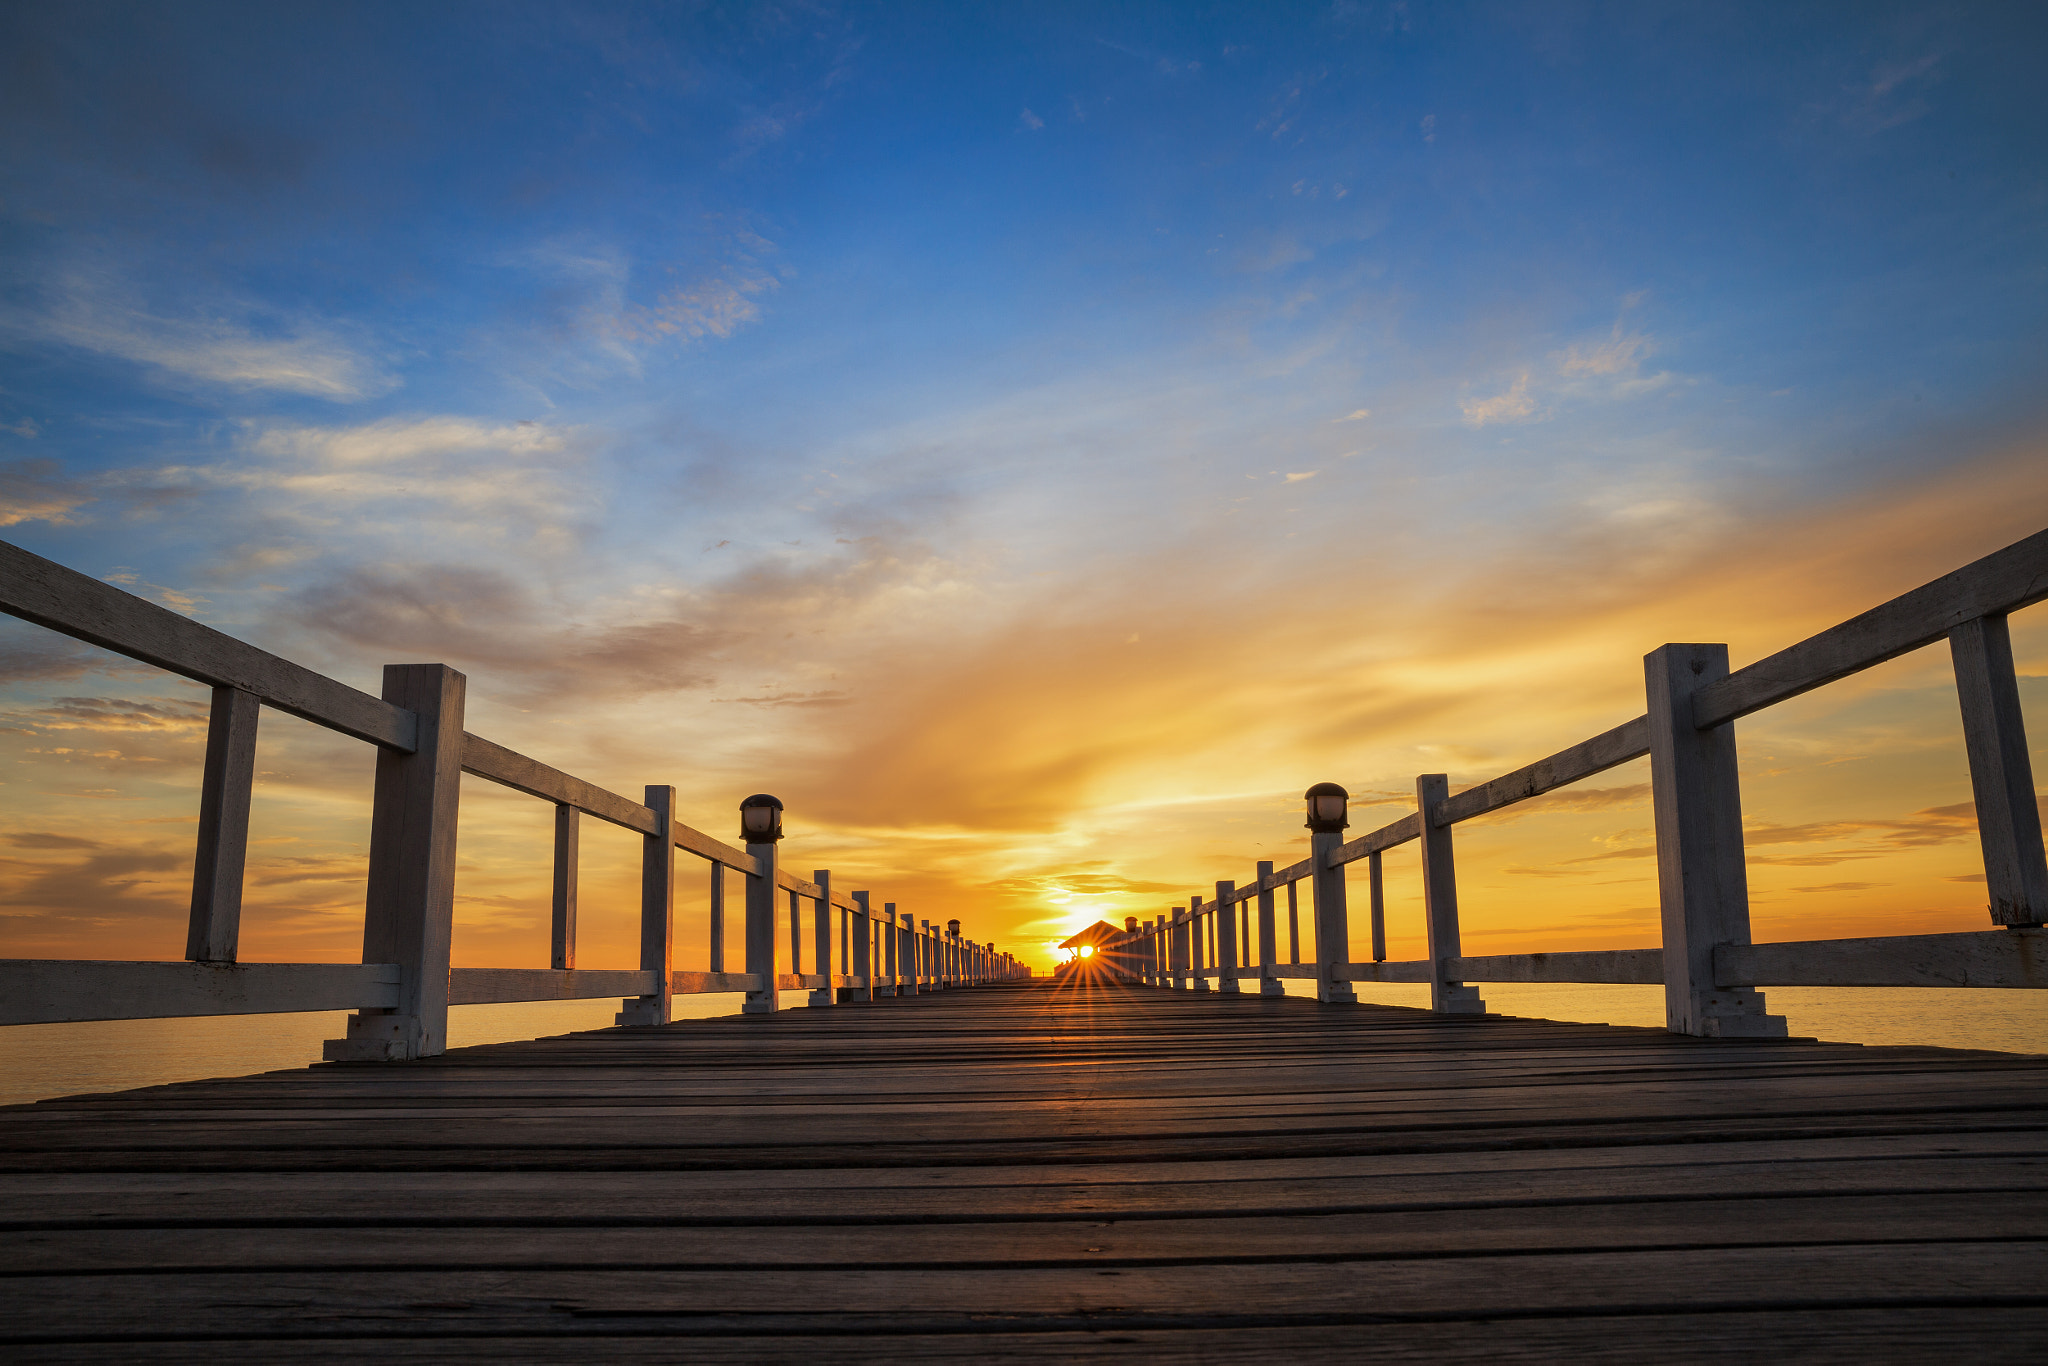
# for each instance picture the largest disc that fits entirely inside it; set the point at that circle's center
(1099, 783)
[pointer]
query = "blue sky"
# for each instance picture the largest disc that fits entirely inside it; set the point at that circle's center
(982, 418)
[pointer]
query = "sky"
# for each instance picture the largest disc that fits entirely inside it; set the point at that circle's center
(1034, 441)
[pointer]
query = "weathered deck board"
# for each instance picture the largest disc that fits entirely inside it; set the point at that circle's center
(1035, 1173)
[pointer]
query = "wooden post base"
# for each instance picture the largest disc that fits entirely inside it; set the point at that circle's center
(641, 1011)
(376, 1036)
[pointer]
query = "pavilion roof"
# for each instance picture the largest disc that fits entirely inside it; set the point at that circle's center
(1095, 936)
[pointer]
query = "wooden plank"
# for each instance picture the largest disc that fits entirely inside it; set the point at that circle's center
(2002, 582)
(481, 986)
(227, 778)
(80, 606)
(421, 1302)
(1378, 841)
(1076, 1241)
(1829, 1335)
(1612, 965)
(55, 990)
(1609, 749)
(1978, 958)
(2001, 773)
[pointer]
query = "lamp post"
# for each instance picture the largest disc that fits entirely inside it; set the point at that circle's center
(1328, 806)
(761, 828)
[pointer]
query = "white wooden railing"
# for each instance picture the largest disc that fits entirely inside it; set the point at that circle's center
(1709, 968)
(402, 989)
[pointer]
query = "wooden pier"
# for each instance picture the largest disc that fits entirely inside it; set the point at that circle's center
(1049, 1172)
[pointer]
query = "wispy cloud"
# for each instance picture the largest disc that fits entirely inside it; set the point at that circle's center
(39, 491)
(1512, 405)
(222, 342)
(494, 482)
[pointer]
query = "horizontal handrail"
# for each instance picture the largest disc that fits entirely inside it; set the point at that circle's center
(2006, 958)
(2015, 958)
(84, 608)
(62, 990)
(2000, 583)
(1609, 749)
(512, 769)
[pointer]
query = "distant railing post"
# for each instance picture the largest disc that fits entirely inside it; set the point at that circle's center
(761, 929)
(568, 853)
(1333, 922)
(1293, 924)
(1377, 887)
(821, 938)
(717, 916)
(227, 783)
(657, 911)
(927, 957)
(1440, 901)
(1702, 883)
(2001, 774)
(1226, 935)
(1269, 939)
(796, 933)
(1198, 934)
(409, 909)
(907, 968)
(863, 950)
(886, 929)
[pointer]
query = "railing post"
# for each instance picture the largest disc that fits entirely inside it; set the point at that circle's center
(1376, 883)
(863, 950)
(1293, 923)
(568, 853)
(796, 932)
(1198, 933)
(2001, 774)
(1269, 939)
(409, 910)
(821, 938)
(1333, 922)
(888, 948)
(906, 961)
(657, 911)
(226, 785)
(927, 957)
(1226, 935)
(717, 916)
(1440, 901)
(761, 929)
(1702, 882)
